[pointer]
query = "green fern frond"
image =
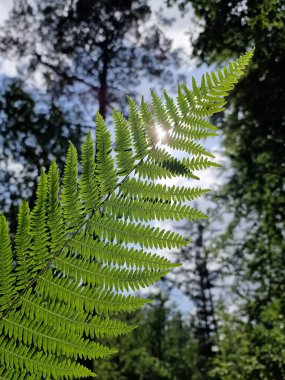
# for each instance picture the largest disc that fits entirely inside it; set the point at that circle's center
(153, 171)
(55, 216)
(198, 163)
(189, 147)
(94, 274)
(192, 133)
(141, 189)
(22, 247)
(39, 229)
(87, 298)
(50, 339)
(19, 357)
(124, 153)
(148, 123)
(89, 192)
(72, 208)
(160, 111)
(116, 254)
(88, 242)
(138, 133)
(7, 275)
(145, 235)
(68, 320)
(144, 210)
(105, 172)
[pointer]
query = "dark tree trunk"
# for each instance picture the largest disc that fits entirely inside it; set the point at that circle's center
(103, 87)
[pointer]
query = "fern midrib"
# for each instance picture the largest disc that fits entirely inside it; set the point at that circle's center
(56, 254)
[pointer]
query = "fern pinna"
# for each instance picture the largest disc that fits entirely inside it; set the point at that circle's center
(90, 240)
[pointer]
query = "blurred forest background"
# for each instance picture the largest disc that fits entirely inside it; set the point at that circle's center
(222, 314)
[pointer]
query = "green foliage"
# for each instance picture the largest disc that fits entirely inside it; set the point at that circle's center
(254, 138)
(22, 246)
(254, 192)
(253, 351)
(7, 276)
(166, 349)
(77, 243)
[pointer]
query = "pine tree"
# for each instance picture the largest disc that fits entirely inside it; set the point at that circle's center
(88, 52)
(197, 280)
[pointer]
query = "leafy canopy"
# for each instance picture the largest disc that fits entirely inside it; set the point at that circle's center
(90, 239)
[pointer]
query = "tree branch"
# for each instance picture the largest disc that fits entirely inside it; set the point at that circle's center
(64, 74)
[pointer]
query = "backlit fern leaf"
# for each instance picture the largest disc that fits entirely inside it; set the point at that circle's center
(90, 238)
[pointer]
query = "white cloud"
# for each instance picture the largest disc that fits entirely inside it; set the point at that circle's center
(179, 30)
(8, 67)
(5, 7)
